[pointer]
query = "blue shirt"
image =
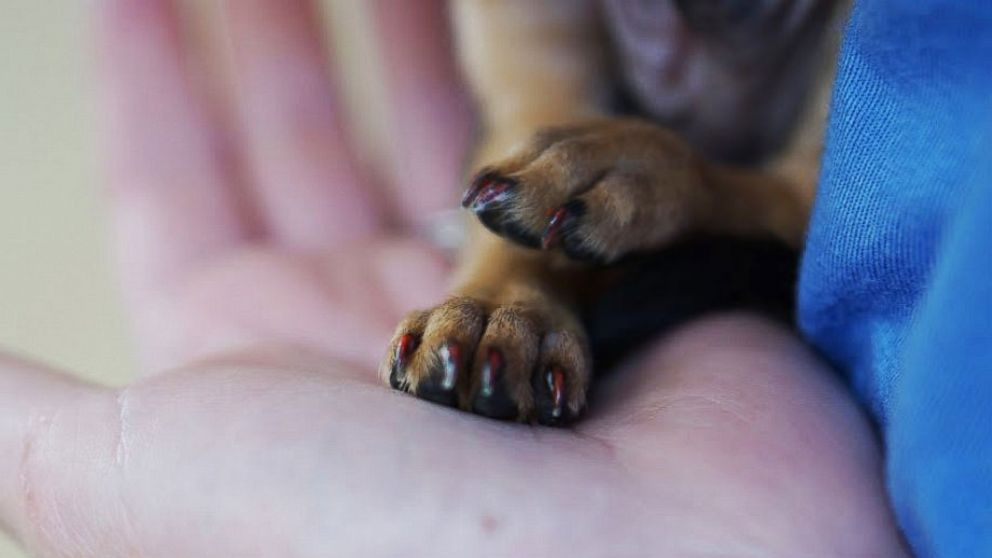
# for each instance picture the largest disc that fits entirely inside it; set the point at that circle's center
(896, 280)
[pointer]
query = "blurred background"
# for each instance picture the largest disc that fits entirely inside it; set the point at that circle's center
(58, 298)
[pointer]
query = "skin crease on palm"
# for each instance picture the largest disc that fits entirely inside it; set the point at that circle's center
(264, 284)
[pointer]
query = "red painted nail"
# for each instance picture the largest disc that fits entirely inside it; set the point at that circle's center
(491, 371)
(404, 349)
(552, 233)
(469, 196)
(556, 386)
(490, 192)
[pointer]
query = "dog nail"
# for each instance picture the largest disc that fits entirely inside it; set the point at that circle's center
(552, 233)
(490, 192)
(473, 190)
(395, 381)
(493, 400)
(550, 397)
(491, 371)
(404, 349)
(555, 379)
(451, 360)
(439, 386)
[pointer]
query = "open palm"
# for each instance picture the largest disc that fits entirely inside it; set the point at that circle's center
(264, 284)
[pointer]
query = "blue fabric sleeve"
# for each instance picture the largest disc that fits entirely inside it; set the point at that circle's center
(896, 281)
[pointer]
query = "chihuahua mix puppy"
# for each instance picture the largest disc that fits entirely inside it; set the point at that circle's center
(730, 98)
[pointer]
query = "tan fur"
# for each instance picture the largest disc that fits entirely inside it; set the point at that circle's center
(539, 75)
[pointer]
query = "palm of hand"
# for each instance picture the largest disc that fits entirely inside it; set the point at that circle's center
(276, 448)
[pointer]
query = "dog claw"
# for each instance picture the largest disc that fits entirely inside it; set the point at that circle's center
(404, 349)
(493, 400)
(552, 234)
(550, 397)
(439, 387)
(469, 196)
(482, 180)
(451, 359)
(559, 221)
(491, 371)
(556, 386)
(486, 191)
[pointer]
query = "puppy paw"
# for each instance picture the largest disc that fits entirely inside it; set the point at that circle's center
(513, 361)
(596, 191)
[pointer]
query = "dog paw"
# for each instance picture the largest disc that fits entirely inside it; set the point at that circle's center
(595, 191)
(515, 361)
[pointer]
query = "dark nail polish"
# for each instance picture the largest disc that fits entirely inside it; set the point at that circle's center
(404, 349)
(552, 233)
(491, 372)
(473, 190)
(490, 193)
(555, 379)
(493, 399)
(451, 361)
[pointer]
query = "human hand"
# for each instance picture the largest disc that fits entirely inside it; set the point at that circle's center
(262, 307)
(258, 225)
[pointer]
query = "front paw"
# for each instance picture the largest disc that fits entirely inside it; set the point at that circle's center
(514, 361)
(597, 191)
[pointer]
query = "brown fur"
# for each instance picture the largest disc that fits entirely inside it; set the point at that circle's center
(540, 77)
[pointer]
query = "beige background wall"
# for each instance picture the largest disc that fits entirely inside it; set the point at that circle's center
(57, 300)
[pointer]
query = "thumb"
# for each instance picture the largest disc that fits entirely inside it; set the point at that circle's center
(49, 425)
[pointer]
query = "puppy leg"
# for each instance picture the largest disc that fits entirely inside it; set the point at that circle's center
(605, 188)
(508, 343)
